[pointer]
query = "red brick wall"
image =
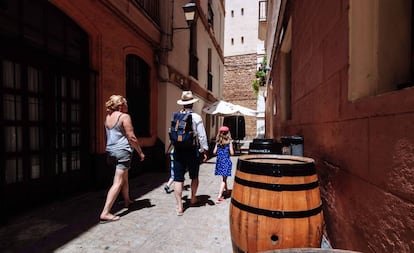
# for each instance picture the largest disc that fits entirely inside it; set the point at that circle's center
(111, 40)
(363, 149)
(239, 72)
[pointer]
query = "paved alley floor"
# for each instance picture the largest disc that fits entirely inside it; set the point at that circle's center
(149, 225)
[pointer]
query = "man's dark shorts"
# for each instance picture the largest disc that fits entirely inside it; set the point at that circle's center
(186, 159)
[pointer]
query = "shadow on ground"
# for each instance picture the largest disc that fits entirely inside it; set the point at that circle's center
(48, 227)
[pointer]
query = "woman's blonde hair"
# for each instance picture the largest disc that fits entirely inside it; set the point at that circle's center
(223, 138)
(114, 102)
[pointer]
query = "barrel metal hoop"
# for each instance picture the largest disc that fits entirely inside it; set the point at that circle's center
(276, 213)
(277, 170)
(277, 187)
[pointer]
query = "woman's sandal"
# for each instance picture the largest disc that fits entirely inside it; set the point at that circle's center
(220, 200)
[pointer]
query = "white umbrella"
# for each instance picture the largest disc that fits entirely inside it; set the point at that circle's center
(222, 107)
(246, 111)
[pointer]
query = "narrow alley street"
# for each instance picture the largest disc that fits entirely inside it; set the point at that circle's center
(149, 225)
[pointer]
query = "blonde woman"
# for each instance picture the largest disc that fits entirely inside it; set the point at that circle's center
(223, 150)
(120, 142)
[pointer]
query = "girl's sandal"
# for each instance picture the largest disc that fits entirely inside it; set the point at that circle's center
(220, 200)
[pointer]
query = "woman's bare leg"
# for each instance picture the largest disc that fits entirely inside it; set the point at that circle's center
(125, 190)
(112, 194)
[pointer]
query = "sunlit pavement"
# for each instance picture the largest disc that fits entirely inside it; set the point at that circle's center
(148, 225)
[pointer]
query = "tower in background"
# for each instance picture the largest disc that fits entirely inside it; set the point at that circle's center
(243, 55)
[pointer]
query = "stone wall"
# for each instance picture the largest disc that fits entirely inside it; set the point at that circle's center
(239, 72)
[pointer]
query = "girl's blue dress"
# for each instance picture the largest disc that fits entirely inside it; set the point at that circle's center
(223, 163)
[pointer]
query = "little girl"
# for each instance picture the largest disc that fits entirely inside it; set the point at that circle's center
(223, 150)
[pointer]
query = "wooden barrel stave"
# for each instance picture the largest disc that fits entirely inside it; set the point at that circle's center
(287, 200)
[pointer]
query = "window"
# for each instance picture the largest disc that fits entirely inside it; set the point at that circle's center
(43, 132)
(232, 41)
(151, 7)
(286, 75)
(380, 51)
(193, 67)
(138, 94)
(242, 40)
(46, 28)
(67, 94)
(232, 13)
(210, 15)
(262, 10)
(242, 11)
(60, 97)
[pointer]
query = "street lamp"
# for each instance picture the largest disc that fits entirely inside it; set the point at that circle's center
(190, 12)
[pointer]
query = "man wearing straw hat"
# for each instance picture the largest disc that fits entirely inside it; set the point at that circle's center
(189, 159)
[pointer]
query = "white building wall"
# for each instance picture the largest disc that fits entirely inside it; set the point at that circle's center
(242, 21)
(174, 60)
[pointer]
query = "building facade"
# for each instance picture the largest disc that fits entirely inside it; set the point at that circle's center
(61, 60)
(202, 73)
(341, 77)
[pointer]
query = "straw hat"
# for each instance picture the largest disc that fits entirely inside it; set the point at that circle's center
(187, 98)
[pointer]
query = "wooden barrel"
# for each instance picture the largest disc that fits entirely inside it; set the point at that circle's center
(275, 204)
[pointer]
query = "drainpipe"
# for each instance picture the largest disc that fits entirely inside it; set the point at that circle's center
(171, 26)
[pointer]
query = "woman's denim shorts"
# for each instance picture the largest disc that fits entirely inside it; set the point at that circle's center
(121, 159)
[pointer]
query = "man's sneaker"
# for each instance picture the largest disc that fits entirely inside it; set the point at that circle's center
(167, 189)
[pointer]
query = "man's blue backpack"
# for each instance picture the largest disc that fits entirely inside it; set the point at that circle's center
(181, 130)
